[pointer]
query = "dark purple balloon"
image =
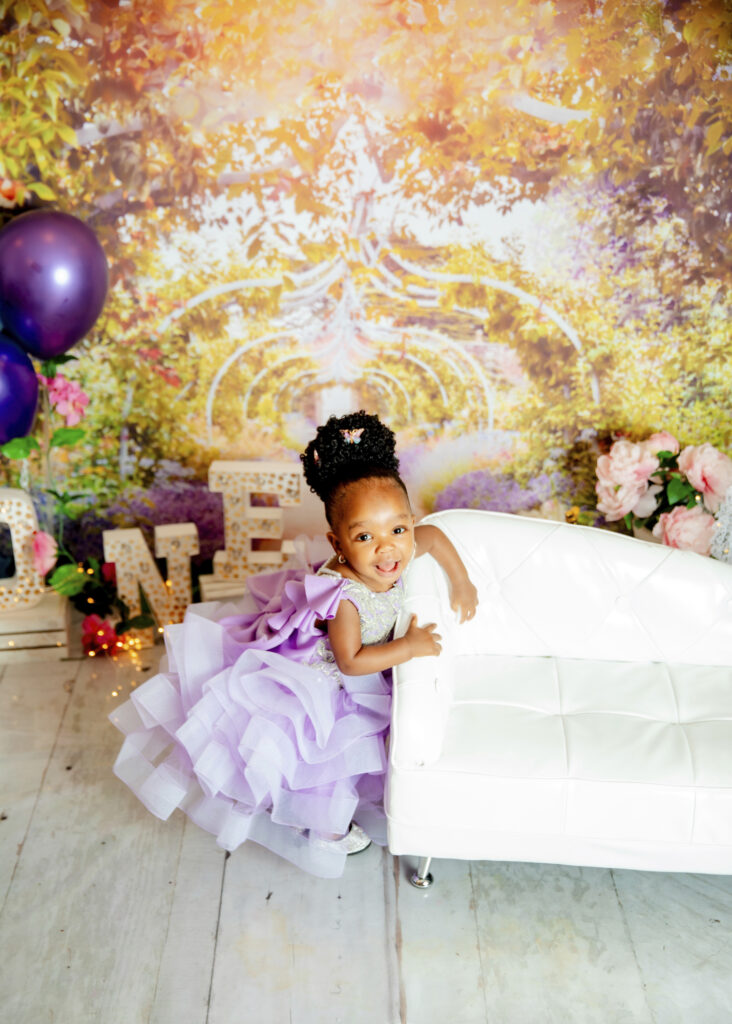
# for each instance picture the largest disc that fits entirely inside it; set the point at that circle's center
(53, 281)
(18, 391)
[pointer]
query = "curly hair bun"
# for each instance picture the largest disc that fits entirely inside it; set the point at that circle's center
(349, 448)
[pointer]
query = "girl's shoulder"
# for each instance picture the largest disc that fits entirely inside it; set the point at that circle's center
(347, 588)
(366, 600)
(330, 568)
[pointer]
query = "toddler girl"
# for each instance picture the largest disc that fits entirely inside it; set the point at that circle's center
(270, 724)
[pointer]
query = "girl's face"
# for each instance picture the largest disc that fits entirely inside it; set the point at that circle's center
(374, 531)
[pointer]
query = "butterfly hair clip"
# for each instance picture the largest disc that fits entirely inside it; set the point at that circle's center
(352, 436)
(316, 457)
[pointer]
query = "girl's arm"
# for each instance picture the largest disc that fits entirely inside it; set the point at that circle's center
(463, 595)
(355, 658)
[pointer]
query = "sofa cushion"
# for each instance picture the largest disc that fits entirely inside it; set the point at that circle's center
(610, 721)
(617, 750)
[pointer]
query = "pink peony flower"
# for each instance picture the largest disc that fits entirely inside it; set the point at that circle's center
(617, 500)
(622, 478)
(660, 442)
(627, 464)
(690, 529)
(45, 550)
(648, 501)
(708, 471)
(67, 398)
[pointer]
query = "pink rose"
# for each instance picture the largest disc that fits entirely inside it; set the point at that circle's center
(690, 529)
(708, 471)
(616, 500)
(660, 442)
(627, 463)
(45, 551)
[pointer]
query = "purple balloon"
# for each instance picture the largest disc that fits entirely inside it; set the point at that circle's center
(53, 280)
(18, 391)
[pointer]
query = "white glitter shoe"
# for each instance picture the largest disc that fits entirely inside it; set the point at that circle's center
(354, 841)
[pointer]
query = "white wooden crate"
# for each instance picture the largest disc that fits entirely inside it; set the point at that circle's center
(214, 588)
(39, 633)
(219, 588)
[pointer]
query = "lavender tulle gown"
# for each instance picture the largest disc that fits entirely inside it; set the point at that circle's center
(252, 730)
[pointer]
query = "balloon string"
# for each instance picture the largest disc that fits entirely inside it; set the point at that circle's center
(48, 480)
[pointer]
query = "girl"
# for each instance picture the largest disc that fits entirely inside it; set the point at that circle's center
(270, 724)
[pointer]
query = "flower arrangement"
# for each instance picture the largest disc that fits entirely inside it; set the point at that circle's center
(670, 491)
(86, 581)
(59, 398)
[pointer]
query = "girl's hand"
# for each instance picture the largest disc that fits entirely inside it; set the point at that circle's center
(463, 595)
(463, 599)
(423, 641)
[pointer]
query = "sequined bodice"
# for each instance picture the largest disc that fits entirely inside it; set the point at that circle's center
(377, 612)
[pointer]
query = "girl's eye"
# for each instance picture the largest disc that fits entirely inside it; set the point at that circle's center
(400, 529)
(364, 536)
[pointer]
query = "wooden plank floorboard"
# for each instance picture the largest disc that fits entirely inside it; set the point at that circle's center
(440, 957)
(555, 947)
(86, 917)
(33, 700)
(183, 985)
(302, 950)
(681, 928)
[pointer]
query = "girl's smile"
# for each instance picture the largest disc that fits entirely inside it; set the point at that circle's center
(374, 532)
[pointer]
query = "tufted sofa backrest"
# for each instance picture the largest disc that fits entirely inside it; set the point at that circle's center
(550, 588)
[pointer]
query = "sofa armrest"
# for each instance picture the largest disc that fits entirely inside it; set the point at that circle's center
(423, 687)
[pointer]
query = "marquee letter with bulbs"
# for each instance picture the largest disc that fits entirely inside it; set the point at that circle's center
(136, 568)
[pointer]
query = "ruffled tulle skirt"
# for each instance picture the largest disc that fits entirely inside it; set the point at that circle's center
(253, 735)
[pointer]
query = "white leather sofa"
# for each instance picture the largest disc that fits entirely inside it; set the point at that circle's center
(583, 717)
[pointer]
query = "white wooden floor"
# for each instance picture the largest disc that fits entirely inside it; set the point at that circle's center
(112, 917)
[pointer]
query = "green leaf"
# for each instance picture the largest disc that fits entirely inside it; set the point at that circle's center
(71, 511)
(67, 133)
(50, 366)
(17, 94)
(68, 580)
(41, 190)
(33, 55)
(66, 437)
(62, 27)
(63, 498)
(136, 622)
(714, 137)
(678, 490)
(19, 447)
(22, 13)
(628, 520)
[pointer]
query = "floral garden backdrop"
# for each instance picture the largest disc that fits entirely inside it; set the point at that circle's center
(506, 228)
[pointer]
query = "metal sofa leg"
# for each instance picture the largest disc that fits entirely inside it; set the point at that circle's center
(421, 878)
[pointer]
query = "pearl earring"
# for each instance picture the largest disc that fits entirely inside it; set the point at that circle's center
(341, 559)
